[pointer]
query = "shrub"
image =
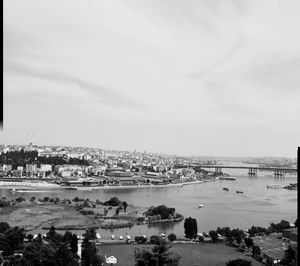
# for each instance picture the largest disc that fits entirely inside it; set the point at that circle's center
(172, 237)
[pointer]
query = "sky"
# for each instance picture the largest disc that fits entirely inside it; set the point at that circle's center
(197, 77)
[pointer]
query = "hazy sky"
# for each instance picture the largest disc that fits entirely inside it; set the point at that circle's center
(203, 77)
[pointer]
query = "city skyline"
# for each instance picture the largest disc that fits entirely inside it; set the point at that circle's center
(200, 78)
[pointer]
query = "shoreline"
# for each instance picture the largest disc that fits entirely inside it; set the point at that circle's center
(36, 186)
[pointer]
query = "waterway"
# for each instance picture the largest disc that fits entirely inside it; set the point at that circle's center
(258, 205)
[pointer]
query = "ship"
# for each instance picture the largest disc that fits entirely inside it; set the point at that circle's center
(225, 188)
(227, 178)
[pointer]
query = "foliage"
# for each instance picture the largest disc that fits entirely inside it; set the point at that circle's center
(53, 236)
(289, 258)
(74, 244)
(162, 210)
(125, 204)
(12, 239)
(155, 239)
(214, 235)
(89, 255)
(172, 237)
(190, 227)
(140, 239)
(112, 202)
(256, 251)
(257, 230)
(249, 242)
(54, 251)
(158, 255)
(239, 262)
(21, 158)
(280, 226)
(90, 234)
(40, 253)
(3, 227)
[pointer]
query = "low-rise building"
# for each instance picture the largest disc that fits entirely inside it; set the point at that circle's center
(46, 167)
(17, 173)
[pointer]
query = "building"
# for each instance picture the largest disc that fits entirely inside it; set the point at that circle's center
(46, 167)
(6, 167)
(31, 168)
(17, 173)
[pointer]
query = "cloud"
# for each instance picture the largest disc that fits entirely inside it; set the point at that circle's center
(100, 93)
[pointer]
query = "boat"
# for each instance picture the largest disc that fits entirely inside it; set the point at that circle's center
(227, 178)
(274, 186)
(238, 191)
(70, 188)
(201, 206)
(225, 188)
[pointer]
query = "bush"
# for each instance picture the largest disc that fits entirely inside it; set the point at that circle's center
(162, 210)
(112, 202)
(172, 237)
(155, 240)
(239, 262)
(140, 239)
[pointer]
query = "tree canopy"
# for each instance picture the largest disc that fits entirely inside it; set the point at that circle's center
(158, 255)
(190, 227)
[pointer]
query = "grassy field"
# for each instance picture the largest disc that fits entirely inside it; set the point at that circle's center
(191, 254)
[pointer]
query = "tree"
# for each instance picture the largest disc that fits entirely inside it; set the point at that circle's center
(125, 205)
(12, 240)
(256, 251)
(67, 236)
(63, 256)
(249, 242)
(155, 239)
(32, 199)
(158, 255)
(3, 227)
(74, 244)
(117, 211)
(29, 237)
(213, 235)
(239, 262)
(90, 234)
(280, 226)
(172, 237)
(161, 210)
(140, 239)
(289, 258)
(89, 255)
(190, 227)
(53, 236)
(112, 202)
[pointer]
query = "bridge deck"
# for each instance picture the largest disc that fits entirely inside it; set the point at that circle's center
(247, 167)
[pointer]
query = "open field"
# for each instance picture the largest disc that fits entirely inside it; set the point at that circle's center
(32, 215)
(191, 254)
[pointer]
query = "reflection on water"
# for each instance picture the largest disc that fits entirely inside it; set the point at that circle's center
(256, 206)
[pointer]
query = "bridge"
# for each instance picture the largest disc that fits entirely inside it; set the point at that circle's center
(252, 170)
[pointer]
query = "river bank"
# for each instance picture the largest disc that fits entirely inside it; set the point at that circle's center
(29, 186)
(75, 214)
